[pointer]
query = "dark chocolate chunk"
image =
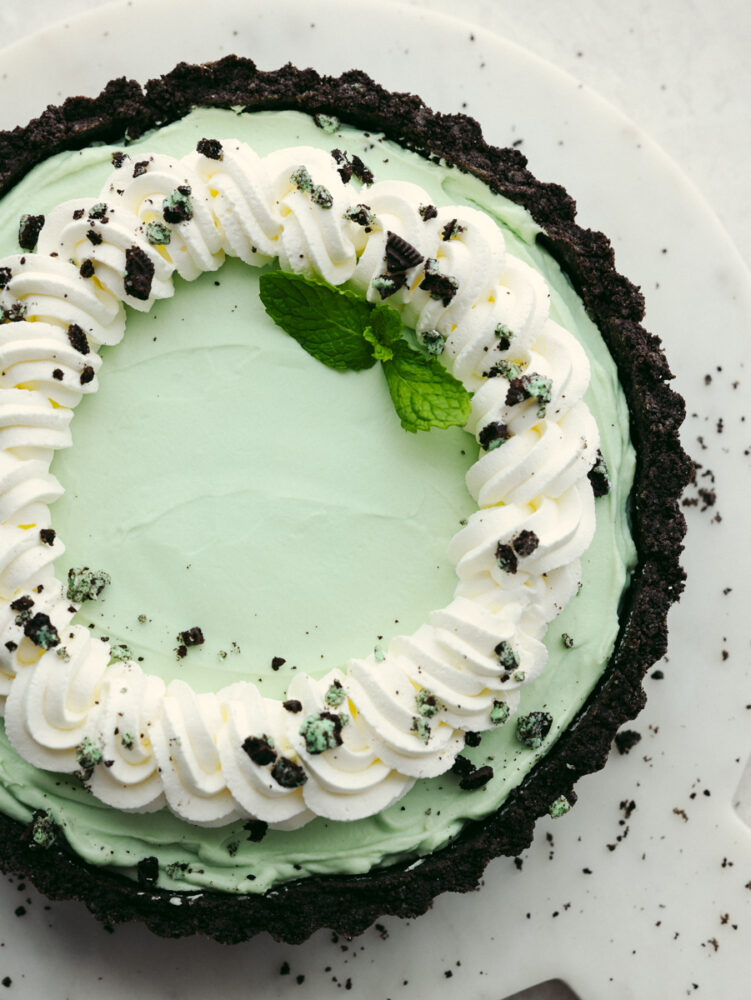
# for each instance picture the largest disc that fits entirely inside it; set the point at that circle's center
(28, 231)
(362, 215)
(148, 872)
(78, 213)
(387, 284)
(477, 778)
(191, 637)
(260, 749)
(11, 646)
(292, 705)
(47, 535)
(256, 830)
(139, 273)
(98, 212)
(210, 148)
(288, 774)
(322, 732)
(78, 339)
(400, 255)
(41, 631)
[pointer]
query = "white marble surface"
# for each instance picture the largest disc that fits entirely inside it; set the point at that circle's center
(681, 73)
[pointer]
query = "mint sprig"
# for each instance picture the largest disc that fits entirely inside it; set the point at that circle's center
(346, 333)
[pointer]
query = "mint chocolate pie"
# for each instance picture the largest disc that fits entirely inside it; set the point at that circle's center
(366, 529)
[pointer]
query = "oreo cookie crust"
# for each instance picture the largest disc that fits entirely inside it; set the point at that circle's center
(293, 911)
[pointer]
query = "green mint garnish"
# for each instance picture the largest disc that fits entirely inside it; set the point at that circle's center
(344, 332)
(327, 322)
(158, 234)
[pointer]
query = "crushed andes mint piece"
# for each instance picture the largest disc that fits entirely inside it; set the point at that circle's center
(427, 703)
(42, 831)
(499, 713)
(327, 123)
(191, 637)
(301, 178)
(387, 284)
(530, 386)
(335, 695)
(321, 196)
(57, 374)
(400, 255)
(47, 535)
(41, 631)
(28, 231)
(260, 749)
(23, 603)
(288, 774)
(87, 375)
(559, 807)
(472, 739)
(256, 830)
(362, 215)
(86, 270)
(462, 766)
(322, 732)
(176, 207)
(421, 728)
(118, 158)
(140, 168)
(292, 705)
(433, 342)
(148, 872)
(477, 778)
(504, 336)
(210, 148)
(5, 276)
(428, 212)
(157, 233)
(86, 584)
(525, 543)
(98, 212)
(139, 273)
(277, 661)
(599, 476)
(441, 286)
(451, 230)
(567, 641)
(532, 729)
(88, 755)
(626, 740)
(93, 237)
(78, 339)
(493, 435)
(506, 558)
(507, 657)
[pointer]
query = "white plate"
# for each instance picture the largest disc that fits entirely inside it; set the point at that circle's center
(649, 922)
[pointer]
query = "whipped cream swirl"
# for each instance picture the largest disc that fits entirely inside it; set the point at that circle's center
(349, 744)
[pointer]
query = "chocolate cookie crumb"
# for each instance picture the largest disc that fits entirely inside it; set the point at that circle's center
(256, 830)
(86, 270)
(532, 729)
(277, 661)
(210, 148)
(47, 535)
(148, 872)
(292, 705)
(139, 273)
(78, 339)
(191, 637)
(41, 631)
(626, 740)
(288, 774)
(400, 255)
(28, 231)
(477, 778)
(260, 749)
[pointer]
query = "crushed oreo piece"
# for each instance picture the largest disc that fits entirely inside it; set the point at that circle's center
(42, 831)
(450, 230)
(23, 603)
(47, 536)
(354, 167)
(277, 661)
(191, 637)
(41, 631)
(327, 123)
(292, 705)
(86, 584)
(428, 212)
(256, 830)
(260, 749)
(493, 435)
(118, 158)
(362, 215)
(87, 375)
(176, 207)
(93, 237)
(433, 342)
(98, 212)
(5, 275)
(387, 284)
(140, 168)
(626, 740)
(462, 766)
(29, 229)
(506, 558)
(14, 313)
(441, 286)
(525, 543)
(86, 270)
(148, 872)
(400, 255)
(599, 476)
(181, 652)
(210, 148)
(57, 374)
(78, 339)
(530, 386)
(288, 774)
(472, 739)
(139, 273)
(504, 336)
(532, 729)
(477, 778)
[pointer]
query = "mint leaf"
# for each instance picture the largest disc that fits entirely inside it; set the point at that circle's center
(327, 322)
(385, 329)
(423, 392)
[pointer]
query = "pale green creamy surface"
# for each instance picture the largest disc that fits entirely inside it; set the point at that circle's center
(226, 480)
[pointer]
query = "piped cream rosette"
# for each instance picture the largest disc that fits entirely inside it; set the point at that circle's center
(347, 745)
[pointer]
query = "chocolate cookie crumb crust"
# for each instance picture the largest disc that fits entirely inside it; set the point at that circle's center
(348, 905)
